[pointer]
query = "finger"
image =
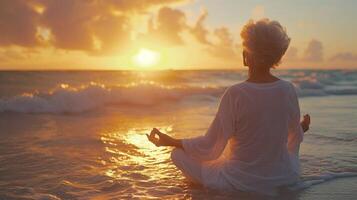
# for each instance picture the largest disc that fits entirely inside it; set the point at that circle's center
(156, 143)
(156, 131)
(159, 134)
(152, 138)
(152, 132)
(149, 138)
(153, 135)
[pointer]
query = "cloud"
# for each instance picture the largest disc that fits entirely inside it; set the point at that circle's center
(137, 5)
(225, 47)
(17, 23)
(94, 26)
(71, 22)
(104, 26)
(314, 51)
(199, 31)
(7, 55)
(222, 47)
(344, 56)
(167, 27)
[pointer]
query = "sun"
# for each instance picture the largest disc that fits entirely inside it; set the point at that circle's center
(146, 58)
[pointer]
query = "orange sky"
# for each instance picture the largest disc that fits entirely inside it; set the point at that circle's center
(167, 34)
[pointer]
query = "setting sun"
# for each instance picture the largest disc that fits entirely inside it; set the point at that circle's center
(146, 58)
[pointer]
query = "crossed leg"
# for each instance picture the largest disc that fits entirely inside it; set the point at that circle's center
(190, 168)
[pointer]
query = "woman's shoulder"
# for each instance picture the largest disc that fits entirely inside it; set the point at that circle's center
(246, 86)
(234, 88)
(287, 83)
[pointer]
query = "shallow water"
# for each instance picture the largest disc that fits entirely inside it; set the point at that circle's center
(101, 151)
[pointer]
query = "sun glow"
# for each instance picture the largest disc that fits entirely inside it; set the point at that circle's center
(146, 58)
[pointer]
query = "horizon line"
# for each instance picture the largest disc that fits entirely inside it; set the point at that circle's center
(174, 69)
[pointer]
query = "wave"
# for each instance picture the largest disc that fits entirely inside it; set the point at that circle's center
(312, 86)
(67, 99)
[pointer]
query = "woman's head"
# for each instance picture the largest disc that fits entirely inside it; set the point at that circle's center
(264, 43)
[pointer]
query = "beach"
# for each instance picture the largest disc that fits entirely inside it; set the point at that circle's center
(81, 134)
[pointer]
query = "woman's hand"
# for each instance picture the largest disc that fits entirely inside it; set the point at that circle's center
(162, 139)
(305, 123)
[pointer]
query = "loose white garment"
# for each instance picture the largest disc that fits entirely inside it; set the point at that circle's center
(261, 124)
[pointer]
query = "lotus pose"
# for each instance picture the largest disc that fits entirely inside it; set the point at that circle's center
(259, 119)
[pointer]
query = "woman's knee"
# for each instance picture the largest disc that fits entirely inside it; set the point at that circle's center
(190, 168)
(176, 154)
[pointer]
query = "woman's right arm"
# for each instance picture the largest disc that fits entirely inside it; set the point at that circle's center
(163, 140)
(211, 145)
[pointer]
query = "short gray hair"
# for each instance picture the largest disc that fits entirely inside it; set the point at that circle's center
(266, 40)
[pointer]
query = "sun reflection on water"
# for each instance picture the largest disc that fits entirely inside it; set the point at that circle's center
(131, 153)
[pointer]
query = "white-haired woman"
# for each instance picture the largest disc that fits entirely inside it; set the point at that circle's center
(260, 118)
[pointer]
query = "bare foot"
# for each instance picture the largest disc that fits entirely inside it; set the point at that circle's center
(305, 123)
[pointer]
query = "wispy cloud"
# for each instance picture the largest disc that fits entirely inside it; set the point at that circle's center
(344, 56)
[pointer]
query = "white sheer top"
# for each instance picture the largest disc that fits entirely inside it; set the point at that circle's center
(261, 122)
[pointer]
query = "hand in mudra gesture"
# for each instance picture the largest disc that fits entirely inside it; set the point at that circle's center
(162, 139)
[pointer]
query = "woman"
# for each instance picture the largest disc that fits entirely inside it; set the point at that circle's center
(260, 118)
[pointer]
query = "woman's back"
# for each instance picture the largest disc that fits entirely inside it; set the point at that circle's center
(261, 125)
(266, 114)
(262, 120)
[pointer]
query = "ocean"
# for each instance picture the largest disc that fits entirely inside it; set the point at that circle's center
(81, 134)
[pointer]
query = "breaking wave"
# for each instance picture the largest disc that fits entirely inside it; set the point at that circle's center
(67, 99)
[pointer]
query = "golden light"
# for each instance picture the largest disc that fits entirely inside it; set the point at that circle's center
(132, 148)
(146, 58)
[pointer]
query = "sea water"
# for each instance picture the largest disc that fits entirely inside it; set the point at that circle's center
(81, 134)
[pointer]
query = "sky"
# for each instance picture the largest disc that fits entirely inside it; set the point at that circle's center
(169, 34)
